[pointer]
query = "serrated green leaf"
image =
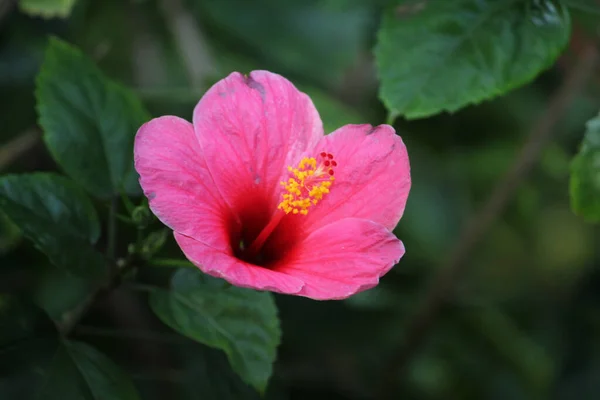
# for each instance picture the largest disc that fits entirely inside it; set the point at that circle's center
(241, 322)
(89, 121)
(47, 8)
(585, 175)
(440, 55)
(57, 217)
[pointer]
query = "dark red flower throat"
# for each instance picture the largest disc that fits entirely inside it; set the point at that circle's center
(261, 235)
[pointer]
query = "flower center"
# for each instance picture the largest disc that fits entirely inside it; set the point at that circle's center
(304, 189)
(308, 185)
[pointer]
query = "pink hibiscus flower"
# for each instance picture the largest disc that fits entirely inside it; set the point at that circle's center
(257, 195)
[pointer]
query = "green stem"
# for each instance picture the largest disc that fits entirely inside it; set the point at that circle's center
(129, 334)
(392, 115)
(127, 202)
(125, 219)
(170, 263)
(141, 287)
(112, 231)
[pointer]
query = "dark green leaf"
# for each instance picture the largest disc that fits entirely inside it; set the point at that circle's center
(57, 216)
(440, 55)
(588, 6)
(89, 121)
(80, 369)
(241, 322)
(208, 372)
(25, 332)
(20, 320)
(9, 234)
(585, 175)
(58, 292)
(47, 8)
(65, 370)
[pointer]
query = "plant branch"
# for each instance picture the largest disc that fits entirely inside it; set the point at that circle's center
(112, 230)
(190, 42)
(15, 148)
(450, 271)
(71, 319)
(129, 334)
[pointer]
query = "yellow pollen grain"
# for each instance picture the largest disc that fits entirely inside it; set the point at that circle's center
(305, 188)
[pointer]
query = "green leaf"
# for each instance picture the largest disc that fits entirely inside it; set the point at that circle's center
(89, 121)
(9, 234)
(207, 371)
(440, 55)
(20, 320)
(58, 292)
(241, 322)
(80, 371)
(60, 369)
(585, 175)
(588, 6)
(58, 217)
(47, 8)
(36, 364)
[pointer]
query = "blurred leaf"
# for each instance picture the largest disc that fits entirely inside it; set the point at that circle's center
(154, 242)
(585, 175)
(20, 60)
(293, 35)
(58, 217)
(333, 112)
(78, 371)
(435, 56)
(209, 373)
(513, 345)
(36, 364)
(60, 369)
(563, 246)
(47, 8)
(9, 234)
(58, 292)
(588, 6)
(583, 383)
(20, 323)
(241, 322)
(377, 298)
(89, 121)
(20, 320)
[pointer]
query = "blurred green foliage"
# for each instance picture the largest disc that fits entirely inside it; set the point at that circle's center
(522, 323)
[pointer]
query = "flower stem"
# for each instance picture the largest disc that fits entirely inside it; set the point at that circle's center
(170, 263)
(112, 231)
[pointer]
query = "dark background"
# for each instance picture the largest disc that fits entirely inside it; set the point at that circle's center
(521, 319)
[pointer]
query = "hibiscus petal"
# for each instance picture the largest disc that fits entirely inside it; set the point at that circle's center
(175, 179)
(343, 258)
(372, 176)
(251, 128)
(222, 264)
